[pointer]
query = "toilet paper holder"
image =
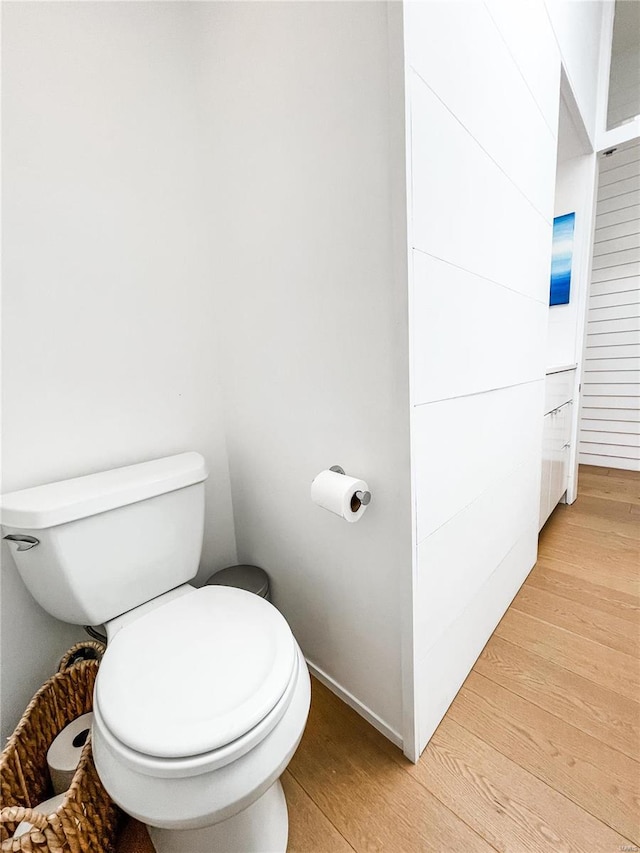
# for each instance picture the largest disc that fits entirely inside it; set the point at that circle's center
(363, 497)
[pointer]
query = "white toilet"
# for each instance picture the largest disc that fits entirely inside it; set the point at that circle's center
(203, 694)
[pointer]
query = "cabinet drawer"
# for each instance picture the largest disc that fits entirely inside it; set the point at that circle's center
(558, 477)
(556, 436)
(558, 389)
(545, 478)
(567, 417)
(558, 426)
(545, 475)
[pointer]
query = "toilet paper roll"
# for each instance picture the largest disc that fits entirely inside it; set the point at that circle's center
(337, 493)
(46, 808)
(64, 753)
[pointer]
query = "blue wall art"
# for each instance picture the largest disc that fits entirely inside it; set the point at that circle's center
(561, 257)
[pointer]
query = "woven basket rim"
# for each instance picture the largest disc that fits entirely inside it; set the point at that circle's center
(86, 821)
(97, 646)
(71, 794)
(45, 688)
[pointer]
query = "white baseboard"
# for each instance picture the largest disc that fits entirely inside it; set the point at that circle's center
(349, 699)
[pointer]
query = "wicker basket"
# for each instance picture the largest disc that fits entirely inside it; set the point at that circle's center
(87, 821)
(85, 650)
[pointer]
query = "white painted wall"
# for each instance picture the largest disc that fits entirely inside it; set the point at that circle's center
(577, 25)
(574, 193)
(482, 186)
(304, 174)
(109, 340)
(206, 210)
(576, 177)
(608, 136)
(623, 102)
(610, 415)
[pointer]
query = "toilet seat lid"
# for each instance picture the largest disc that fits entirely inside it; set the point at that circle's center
(196, 673)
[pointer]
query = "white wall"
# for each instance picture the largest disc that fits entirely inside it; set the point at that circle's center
(482, 138)
(610, 415)
(108, 338)
(623, 102)
(315, 331)
(612, 75)
(576, 177)
(205, 211)
(577, 25)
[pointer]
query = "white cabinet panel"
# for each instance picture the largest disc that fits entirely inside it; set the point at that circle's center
(558, 389)
(472, 356)
(545, 477)
(558, 480)
(456, 560)
(561, 431)
(519, 141)
(465, 209)
(466, 445)
(526, 29)
(556, 437)
(442, 669)
(545, 489)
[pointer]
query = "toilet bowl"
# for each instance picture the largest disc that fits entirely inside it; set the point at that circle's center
(185, 737)
(202, 695)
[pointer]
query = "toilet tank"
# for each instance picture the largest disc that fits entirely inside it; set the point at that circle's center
(108, 542)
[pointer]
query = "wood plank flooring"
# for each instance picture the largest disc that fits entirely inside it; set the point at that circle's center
(539, 751)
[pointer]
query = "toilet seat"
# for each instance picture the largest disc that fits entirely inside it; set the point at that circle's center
(206, 671)
(197, 765)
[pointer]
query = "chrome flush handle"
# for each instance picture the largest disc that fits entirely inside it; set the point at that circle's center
(26, 542)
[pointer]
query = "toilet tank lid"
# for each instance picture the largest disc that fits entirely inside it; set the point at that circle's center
(58, 503)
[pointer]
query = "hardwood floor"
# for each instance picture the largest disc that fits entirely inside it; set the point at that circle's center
(540, 749)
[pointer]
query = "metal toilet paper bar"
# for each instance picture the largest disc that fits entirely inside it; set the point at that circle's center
(363, 497)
